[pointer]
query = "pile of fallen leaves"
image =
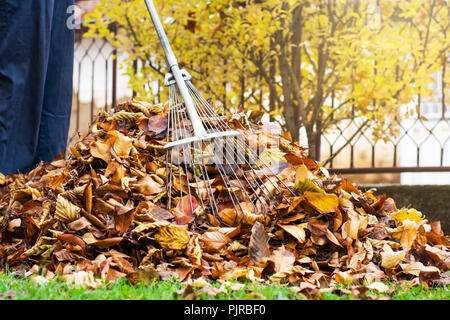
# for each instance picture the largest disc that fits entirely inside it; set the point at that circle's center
(102, 213)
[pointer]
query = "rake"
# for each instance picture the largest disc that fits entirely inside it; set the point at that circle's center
(203, 147)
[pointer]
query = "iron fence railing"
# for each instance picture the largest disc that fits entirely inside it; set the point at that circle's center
(421, 145)
(94, 81)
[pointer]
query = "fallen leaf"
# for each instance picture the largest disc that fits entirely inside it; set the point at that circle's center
(65, 210)
(307, 185)
(123, 221)
(107, 243)
(324, 203)
(410, 214)
(72, 239)
(120, 143)
(213, 241)
(88, 197)
(283, 259)
(297, 231)
(330, 236)
(157, 124)
(418, 269)
(172, 237)
(84, 279)
(392, 259)
(101, 150)
(79, 224)
(194, 251)
(257, 248)
(147, 186)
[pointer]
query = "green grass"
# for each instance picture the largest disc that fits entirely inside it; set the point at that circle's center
(19, 288)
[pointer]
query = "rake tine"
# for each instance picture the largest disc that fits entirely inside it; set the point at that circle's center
(198, 133)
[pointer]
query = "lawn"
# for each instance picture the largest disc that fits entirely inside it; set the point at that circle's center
(19, 288)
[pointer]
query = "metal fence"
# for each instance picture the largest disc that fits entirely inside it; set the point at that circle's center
(420, 146)
(95, 65)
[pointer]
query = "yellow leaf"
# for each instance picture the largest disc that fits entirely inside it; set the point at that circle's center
(172, 237)
(343, 277)
(307, 185)
(271, 156)
(356, 259)
(236, 245)
(324, 203)
(410, 214)
(391, 259)
(120, 143)
(100, 150)
(297, 231)
(301, 173)
(239, 273)
(407, 233)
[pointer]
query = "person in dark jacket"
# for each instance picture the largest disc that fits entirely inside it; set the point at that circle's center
(36, 66)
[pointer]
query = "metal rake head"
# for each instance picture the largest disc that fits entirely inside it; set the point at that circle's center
(219, 169)
(205, 157)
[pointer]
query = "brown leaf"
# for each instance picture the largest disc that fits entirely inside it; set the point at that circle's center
(147, 186)
(194, 251)
(257, 248)
(121, 144)
(295, 158)
(88, 197)
(213, 241)
(184, 209)
(349, 187)
(297, 231)
(161, 214)
(283, 259)
(79, 224)
(317, 227)
(101, 150)
(418, 269)
(330, 236)
(123, 221)
(439, 256)
(64, 255)
(107, 243)
(65, 210)
(143, 276)
(72, 239)
(157, 124)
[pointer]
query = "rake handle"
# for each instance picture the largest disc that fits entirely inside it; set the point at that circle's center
(172, 63)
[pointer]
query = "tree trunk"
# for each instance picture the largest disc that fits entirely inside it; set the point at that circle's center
(312, 140)
(292, 123)
(272, 75)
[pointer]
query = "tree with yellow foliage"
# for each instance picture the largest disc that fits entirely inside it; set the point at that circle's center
(310, 64)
